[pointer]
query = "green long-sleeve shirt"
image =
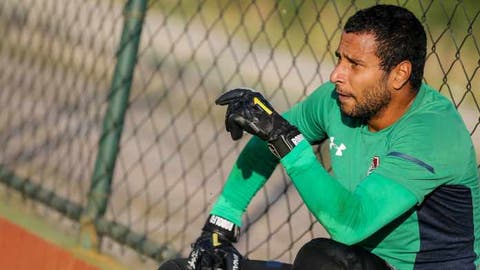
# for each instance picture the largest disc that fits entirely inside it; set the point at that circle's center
(409, 193)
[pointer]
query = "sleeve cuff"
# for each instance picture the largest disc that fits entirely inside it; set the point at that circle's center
(224, 209)
(298, 158)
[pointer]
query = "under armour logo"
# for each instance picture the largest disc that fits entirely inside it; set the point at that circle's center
(339, 148)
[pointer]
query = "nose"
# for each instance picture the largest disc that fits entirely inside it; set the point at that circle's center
(338, 74)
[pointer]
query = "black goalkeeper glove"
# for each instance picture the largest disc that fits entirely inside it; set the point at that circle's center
(249, 111)
(214, 249)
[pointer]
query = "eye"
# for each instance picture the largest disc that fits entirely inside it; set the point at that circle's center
(354, 64)
(338, 58)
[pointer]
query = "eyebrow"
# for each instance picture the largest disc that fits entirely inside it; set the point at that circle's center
(350, 59)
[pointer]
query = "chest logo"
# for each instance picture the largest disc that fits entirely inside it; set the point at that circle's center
(375, 163)
(339, 148)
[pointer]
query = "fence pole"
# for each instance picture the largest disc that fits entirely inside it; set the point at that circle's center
(134, 13)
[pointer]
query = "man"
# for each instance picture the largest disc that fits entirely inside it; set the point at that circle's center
(404, 192)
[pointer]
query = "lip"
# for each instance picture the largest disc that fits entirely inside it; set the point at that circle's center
(343, 99)
(342, 96)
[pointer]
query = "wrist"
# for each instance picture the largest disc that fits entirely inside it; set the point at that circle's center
(223, 227)
(284, 143)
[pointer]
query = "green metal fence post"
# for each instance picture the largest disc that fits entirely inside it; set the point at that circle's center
(99, 193)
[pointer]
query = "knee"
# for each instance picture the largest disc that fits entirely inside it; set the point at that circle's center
(324, 247)
(321, 243)
(321, 253)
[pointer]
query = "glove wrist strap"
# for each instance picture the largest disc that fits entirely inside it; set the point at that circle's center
(282, 145)
(223, 227)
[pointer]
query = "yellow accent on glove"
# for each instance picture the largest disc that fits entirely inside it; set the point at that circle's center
(257, 101)
(215, 241)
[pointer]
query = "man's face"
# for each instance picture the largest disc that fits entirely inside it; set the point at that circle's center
(360, 82)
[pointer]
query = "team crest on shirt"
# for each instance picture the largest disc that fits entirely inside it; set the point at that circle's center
(374, 164)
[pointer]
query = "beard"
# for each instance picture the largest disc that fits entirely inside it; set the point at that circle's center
(372, 101)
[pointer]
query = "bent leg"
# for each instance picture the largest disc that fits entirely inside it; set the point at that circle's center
(179, 264)
(323, 254)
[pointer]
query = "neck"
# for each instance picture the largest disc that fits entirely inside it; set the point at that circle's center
(392, 112)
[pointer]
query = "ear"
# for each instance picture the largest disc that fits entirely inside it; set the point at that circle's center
(400, 74)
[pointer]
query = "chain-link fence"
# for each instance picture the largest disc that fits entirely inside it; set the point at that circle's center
(57, 61)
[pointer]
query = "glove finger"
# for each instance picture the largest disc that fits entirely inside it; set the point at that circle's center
(194, 259)
(245, 118)
(232, 96)
(236, 132)
(232, 261)
(240, 121)
(249, 126)
(255, 130)
(207, 262)
(232, 109)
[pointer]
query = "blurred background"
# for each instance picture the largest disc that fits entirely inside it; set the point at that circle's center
(107, 120)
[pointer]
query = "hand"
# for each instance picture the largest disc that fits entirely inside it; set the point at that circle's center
(248, 110)
(214, 248)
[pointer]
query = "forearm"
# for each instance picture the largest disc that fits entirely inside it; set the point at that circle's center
(349, 216)
(249, 173)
